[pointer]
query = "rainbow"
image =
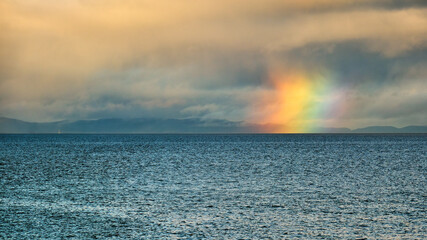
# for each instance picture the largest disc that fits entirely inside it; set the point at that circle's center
(298, 102)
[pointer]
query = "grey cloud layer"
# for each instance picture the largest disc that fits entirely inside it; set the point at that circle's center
(73, 59)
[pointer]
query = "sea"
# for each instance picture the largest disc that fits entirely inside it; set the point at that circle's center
(213, 186)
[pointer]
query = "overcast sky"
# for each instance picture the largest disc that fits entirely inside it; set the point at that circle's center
(328, 63)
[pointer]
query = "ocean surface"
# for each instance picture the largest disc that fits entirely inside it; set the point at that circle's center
(213, 186)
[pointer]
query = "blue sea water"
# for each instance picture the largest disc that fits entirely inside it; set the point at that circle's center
(213, 186)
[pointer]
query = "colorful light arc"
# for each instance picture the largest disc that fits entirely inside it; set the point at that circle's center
(297, 103)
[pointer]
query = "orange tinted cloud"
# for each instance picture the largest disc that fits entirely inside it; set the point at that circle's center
(58, 51)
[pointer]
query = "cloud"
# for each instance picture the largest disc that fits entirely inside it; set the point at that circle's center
(397, 104)
(89, 59)
(200, 109)
(78, 38)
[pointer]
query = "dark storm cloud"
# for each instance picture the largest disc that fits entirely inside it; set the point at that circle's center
(379, 89)
(353, 65)
(210, 59)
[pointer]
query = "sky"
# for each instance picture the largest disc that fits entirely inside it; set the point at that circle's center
(286, 66)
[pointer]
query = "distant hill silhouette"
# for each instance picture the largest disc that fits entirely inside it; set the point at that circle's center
(390, 129)
(154, 125)
(117, 125)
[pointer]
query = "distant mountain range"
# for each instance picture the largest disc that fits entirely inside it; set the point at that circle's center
(117, 125)
(153, 125)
